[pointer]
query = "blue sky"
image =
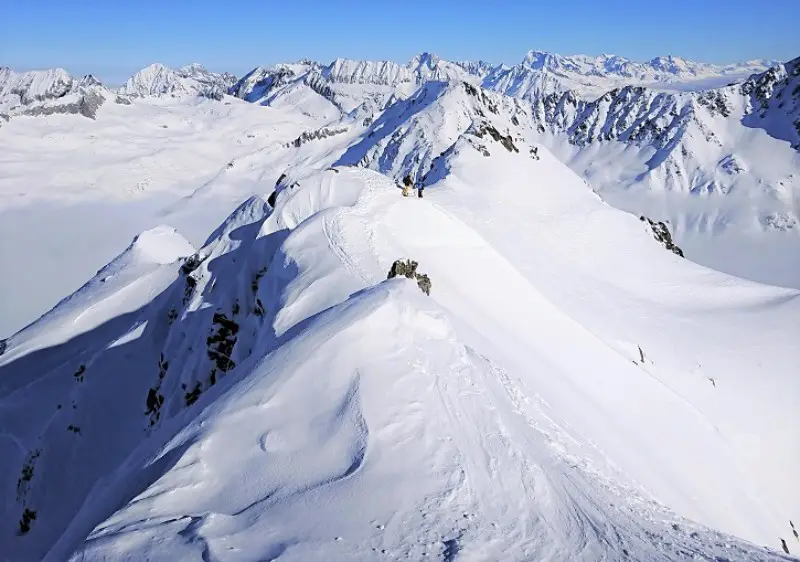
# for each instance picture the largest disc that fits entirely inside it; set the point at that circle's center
(113, 39)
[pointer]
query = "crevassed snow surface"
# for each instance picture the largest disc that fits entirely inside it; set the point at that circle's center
(570, 390)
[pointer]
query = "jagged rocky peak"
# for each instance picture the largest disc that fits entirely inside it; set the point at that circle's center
(34, 85)
(478, 68)
(424, 59)
(193, 79)
(199, 72)
(672, 65)
(540, 59)
(775, 101)
(194, 68)
(89, 80)
(47, 92)
(348, 71)
(409, 135)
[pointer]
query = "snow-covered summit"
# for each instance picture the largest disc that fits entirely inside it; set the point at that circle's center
(775, 99)
(193, 80)
(25, 88)
(48, 92)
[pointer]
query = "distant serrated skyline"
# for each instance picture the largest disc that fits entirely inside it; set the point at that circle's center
(112, 40)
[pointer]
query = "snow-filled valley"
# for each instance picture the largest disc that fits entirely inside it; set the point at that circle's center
(246, 380)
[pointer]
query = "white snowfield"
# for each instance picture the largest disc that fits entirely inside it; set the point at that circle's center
(570, 390)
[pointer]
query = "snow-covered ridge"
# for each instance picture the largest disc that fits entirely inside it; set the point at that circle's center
(34, 85)
(193, 79)
(541, 73)
(775, 98)
(275, 393)
(668, 68)
(47, 92)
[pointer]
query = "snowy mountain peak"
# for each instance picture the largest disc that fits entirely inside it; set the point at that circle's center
(192, 80)
(33, 85)
(671, 64)
(90, 80)
(193, 68)
(426, 59)
(542, 59)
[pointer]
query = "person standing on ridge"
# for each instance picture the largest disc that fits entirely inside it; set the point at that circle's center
(406, 186)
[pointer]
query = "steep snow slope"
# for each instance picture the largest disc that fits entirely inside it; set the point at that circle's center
(280, 398)
(407, 137)
(776, 101)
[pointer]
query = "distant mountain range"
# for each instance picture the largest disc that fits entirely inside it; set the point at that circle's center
(538, 72)
(701, 142)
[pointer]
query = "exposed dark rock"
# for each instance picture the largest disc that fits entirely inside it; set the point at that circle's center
(191, 397)
(271, 199)
(258, 309)
(87, 105)
(486, 129)
(191, 283)
(307, 136)
(662, 234)
(402, 268)
(26, 474)
(408, 269)
(79, 373)
(154, 402)
(254, 283)
(3, 346)
(191, 263)
(28, 516)
(222, 341)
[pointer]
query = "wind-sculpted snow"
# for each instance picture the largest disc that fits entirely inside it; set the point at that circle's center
(273, 394)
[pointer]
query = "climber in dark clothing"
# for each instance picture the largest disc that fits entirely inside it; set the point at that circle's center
(420, 187)
(407, 183)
